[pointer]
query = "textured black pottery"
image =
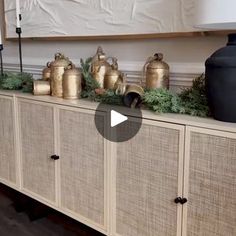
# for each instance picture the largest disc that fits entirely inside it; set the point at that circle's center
(221, 82)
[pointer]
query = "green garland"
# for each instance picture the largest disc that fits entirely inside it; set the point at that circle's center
(109, 97)
(191, 101)
(16, 81)
(194, 99)
(162, 101)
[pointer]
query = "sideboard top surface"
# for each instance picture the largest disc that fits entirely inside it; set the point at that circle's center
(147, 114)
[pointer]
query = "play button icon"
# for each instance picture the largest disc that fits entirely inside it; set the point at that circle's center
(117, 118)
(117, 123)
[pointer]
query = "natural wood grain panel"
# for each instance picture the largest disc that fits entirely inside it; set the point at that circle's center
(147, 183)
(212, 186)
(37, 146)
(7, 146)
(82, 165)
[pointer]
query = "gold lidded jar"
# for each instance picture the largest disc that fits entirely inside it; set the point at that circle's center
(47, 72)
(100, 67)
(72, 83)
(113, 76)
(58, 68)
(157, 72)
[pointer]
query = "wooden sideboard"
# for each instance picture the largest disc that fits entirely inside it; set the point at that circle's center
(176, 177)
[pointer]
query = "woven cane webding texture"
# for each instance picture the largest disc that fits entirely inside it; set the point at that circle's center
(82, 165)
(37, 142)
(212, 186)
(7, 151)
(147, 182)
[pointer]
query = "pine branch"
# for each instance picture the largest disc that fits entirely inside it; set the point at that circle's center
(109, 97)
(192, 101)
(90, 83)
(162, 101)
(17, 81)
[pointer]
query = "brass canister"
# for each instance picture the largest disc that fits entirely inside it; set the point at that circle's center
(47, 72)
(41, 87)
(100, 67)
(57, 70)
(113, 76)
(157, 72)
(72, 83)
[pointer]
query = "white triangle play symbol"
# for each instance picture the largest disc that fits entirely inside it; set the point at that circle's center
(117, 118)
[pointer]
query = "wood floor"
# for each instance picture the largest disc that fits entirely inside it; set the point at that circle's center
(19, 224)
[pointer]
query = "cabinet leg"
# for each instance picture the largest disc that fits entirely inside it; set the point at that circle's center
(20, 202)
(37, 210)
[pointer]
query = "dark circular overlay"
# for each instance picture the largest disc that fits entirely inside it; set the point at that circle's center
(121, 132)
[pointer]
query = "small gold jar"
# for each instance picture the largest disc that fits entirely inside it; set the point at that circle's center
(72, 83)
(113, 76)
(47, 72)
(41, 87)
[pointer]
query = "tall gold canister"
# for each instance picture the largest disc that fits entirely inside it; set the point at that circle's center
(58, 68)
(157, 72)
(100, 67)
(72, 83)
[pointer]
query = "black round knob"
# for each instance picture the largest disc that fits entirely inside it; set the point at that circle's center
(178, 200)
(55, 157)
(183, 201)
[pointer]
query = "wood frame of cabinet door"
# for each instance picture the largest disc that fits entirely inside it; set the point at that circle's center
(14, 128)
(190, 129)
(22, 189)
(56, 205)
(113, 151)
(80, 218)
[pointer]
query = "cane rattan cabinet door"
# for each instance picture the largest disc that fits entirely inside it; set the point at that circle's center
(82, 164)
(7, 143)
(37, 146)
(211, 185)
(149, 171)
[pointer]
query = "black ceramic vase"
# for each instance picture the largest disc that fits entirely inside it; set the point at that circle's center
(221, 82)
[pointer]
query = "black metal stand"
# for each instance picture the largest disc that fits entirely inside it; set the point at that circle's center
(19, 31)
(1, 61)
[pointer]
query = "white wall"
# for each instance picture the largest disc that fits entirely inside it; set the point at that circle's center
(176, 50)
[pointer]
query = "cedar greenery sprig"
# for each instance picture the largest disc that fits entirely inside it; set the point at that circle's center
(109, 97)
(16, 81)
(191, 101)
(194, 99)
(162, 101)
(90, 84)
